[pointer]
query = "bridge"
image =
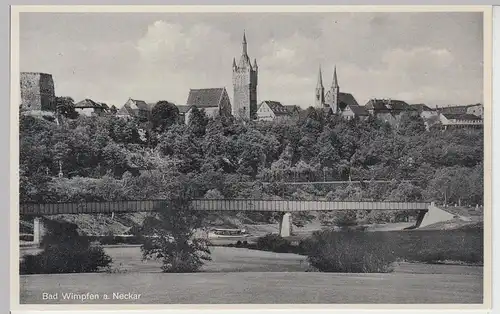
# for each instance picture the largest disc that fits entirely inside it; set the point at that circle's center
(286, 207)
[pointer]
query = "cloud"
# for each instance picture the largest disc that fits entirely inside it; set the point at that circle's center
(199, 47)
(434, 58)
(174, 58)
(413, 59)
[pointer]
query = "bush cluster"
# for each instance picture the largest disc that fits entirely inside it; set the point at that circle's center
(64, 251)
(274, 243)
(349, 252)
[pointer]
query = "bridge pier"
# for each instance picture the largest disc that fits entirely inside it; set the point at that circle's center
(434, 215)
(38, 231)
(285, 227)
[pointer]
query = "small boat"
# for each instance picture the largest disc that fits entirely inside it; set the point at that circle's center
(227, 233)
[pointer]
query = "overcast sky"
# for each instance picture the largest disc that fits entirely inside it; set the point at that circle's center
(434, 58)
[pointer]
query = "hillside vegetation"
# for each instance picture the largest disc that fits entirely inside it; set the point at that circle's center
(109, 158)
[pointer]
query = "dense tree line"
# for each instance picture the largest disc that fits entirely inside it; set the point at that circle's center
(109, 158)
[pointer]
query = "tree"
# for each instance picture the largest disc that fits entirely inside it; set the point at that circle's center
(66, 107)
(163, 115)
(346, 219)
(410, 125)
(455, 185)
(198, 121)
(113, 110)
(170, 237)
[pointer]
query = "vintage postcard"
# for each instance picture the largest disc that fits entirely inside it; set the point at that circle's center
(244, 156)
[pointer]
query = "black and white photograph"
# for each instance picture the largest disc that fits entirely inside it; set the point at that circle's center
(252, 156)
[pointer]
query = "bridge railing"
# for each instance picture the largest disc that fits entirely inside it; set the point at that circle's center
(215, 205)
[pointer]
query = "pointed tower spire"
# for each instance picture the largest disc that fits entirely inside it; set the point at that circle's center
(234, 63)
(334, 93)
(319, 97)
(335, 82)
(255, 64)
(244, 43)
(320, 79)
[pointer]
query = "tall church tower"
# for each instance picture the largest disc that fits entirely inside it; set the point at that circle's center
(319, 96)
(334, 92)
(245, 85)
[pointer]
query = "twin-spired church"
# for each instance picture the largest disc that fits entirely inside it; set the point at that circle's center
(334, 101)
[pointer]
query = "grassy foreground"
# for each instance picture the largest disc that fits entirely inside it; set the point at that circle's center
(249, 276)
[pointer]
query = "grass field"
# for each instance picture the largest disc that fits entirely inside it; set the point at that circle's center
(249, 276)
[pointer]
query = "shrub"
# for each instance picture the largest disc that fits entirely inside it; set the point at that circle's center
(349, 252)
(26, 237)
(305, 246)
(75, 258)
(170, 237)
(64, 251)
(274, 243)
(346, 219)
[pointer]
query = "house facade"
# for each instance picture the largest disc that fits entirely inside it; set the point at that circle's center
(476, 110)
(88, 107)
(214, 101)
(429, 115)
(135, 108)
(454, 120)
(389, 110)
(270, 110)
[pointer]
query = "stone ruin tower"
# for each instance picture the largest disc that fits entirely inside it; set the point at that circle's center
(37, 91)
(245, 86)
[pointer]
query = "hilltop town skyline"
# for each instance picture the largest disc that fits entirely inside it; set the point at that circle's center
(111, 57)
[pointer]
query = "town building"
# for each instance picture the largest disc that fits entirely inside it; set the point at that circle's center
(336, 102)
(390, 110)
(422, 108)
(88, 107)
(293, 109)
(429, 115)
(270, 110)
(214, 101)
(37, 91)
(135, 108)
(476, 109)
(183, 109)
(453, 109)
(245, 85)
(460, 120)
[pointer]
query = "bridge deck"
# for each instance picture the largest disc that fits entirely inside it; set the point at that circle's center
(215, 205)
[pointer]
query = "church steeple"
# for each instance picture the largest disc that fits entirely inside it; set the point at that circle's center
(334, 98)
(244, 44)
(319, 97)
(245, 85)
(320, 79)
(335, 83)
